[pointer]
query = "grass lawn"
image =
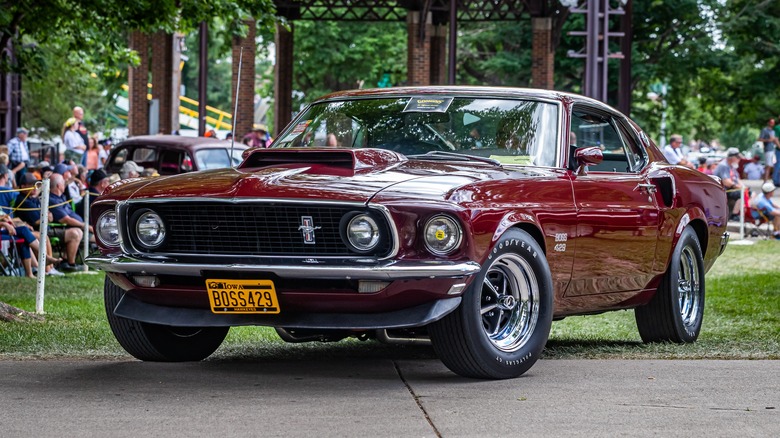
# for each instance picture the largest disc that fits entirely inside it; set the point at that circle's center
(741, 321)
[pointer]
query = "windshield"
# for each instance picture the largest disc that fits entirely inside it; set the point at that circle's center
(510, 131)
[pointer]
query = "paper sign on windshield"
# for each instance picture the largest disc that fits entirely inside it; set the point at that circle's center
(428, 105)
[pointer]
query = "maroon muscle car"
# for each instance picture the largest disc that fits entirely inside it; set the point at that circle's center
(472, 217)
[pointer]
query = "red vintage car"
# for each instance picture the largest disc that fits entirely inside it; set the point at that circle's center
(472, 217)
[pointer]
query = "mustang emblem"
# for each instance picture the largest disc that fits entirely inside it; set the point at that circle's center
(307, 228)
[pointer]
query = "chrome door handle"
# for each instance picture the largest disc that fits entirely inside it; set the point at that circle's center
(651, 188)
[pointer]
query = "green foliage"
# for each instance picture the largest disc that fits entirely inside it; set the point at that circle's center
(332, 56)
(741, 138)
(58, 41)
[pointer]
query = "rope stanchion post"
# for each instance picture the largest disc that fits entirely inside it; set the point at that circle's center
(39, 296)
(741, 213)
(86, 228)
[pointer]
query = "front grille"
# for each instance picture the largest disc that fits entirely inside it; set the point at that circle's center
(246, 229)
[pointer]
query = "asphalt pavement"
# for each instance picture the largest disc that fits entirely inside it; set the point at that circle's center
(383, 397)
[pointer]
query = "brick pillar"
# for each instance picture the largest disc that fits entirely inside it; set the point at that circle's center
(542, 56)
(418, 61)
(283, 74)
(439, 55)
(138, 78)
(163, 81)
(246, 94)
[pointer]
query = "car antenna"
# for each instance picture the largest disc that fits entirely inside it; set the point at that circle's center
(235, 107)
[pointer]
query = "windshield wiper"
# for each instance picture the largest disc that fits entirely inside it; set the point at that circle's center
(443, 155)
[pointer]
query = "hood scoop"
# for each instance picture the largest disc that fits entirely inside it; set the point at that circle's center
(356, 160)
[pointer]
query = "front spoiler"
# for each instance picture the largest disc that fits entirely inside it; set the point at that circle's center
(132, 308)
(385, 270)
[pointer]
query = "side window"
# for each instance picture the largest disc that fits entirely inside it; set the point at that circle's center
(144, 155)
(595, 129)
(119, 160)
(635, 151)
(170, 162)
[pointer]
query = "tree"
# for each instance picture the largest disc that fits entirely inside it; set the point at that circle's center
(332, 56)
(89, 37)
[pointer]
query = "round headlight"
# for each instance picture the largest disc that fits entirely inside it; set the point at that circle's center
(363, 233)
(150, 230)
(442, 235)
(107, 229)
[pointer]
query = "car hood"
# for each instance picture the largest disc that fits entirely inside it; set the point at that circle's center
(286, 176)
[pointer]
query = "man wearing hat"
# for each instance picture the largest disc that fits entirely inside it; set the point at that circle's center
(258, 138)
(130, 170)
(729, 176)
(19, 154)
(764, 204)
(98, 182)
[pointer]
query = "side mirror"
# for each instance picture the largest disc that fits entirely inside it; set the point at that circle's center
(585, 157)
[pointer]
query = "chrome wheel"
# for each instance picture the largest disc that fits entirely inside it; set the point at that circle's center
(509, 302)
(688, 287)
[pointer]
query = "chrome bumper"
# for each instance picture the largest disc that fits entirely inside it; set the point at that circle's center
(385, 270)
(724, 240)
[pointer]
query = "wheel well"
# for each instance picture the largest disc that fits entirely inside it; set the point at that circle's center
(535, 233)
(701, 232)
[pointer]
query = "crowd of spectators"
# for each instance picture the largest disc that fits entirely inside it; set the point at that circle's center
(80, 170)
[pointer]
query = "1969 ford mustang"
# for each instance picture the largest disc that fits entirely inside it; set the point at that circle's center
(472, 217)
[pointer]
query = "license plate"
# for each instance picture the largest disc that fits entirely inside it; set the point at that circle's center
(242, 296)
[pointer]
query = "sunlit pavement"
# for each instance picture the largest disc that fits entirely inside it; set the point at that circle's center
(388, 398)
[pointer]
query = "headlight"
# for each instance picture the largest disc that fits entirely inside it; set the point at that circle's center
(107, 229)
(150, 230)
(442, 235)
(363, 233)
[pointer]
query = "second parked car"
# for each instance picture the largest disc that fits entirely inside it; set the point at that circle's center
(174, 154)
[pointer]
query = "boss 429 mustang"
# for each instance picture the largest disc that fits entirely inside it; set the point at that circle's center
(472, 217)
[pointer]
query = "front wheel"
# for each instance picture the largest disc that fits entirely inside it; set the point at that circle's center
(676, 311)
(160, 343)
(502, 325)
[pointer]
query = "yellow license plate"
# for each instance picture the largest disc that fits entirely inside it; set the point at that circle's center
(242, 296)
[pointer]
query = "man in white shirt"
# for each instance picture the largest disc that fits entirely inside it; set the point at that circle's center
(673, 153)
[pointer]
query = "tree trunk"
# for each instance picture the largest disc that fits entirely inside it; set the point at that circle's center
(14, 314)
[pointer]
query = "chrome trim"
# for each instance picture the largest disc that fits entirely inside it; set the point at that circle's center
(384, 271)
(129, 248)
(724, 240)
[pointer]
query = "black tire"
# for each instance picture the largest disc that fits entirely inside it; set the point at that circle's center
(160, 343)
(496, 333)
(676, 311)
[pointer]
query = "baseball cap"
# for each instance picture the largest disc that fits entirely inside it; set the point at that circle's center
(131, 166)
(28, 179)
(733, 152)
(768, 187)
(61, 169)
(21, 131)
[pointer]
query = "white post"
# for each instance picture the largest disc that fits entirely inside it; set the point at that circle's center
(42, 246)
(86, 229)
(742, 212)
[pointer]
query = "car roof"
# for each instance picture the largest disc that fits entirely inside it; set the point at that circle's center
(178, 142)
(501, 92)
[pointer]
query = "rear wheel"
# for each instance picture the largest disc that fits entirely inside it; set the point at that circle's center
(676, 311)
(502, 325)
(160, 343)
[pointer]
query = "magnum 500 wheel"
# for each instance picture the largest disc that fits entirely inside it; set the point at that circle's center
(160, 343)
(502, 325)
(676, 311)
